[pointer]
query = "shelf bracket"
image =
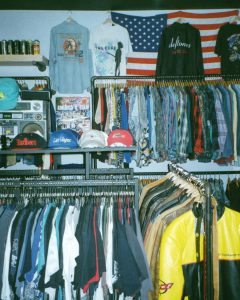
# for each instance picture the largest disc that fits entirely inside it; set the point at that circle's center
(40, 65)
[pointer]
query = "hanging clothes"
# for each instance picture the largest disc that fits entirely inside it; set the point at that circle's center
(177, 122)
(171, 219)
(161, 202)
(71, 245)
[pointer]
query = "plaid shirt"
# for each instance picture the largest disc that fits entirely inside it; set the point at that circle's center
(212, 117)
(197, 125)
(222, 127)
(183, 131)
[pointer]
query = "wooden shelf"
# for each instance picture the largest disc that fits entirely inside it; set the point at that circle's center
(24, 60)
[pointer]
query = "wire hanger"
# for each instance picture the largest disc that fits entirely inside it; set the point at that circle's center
(181, 20)
(235, 19)
(109, 20)
(69, 18)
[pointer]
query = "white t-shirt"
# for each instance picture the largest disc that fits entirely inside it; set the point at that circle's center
(110, 45)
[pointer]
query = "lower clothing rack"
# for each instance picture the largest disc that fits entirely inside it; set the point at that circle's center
(16, 186)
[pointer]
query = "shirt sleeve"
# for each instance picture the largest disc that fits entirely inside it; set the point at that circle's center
(171, 280)
(52, 59)
(219, 42)
(160, 54)
(199, 55)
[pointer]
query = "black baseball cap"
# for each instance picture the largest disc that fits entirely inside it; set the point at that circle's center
(25, 141)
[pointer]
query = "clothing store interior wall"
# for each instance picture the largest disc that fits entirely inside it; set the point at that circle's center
(23, 24)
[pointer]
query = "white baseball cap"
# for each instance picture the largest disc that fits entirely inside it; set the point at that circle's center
(93, 138)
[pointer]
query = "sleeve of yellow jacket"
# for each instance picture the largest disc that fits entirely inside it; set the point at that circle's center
(177, 249)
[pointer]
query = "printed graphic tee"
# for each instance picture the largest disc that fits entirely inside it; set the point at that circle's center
(70, 60)
(110, 45)
(180, 51)
(228, 48)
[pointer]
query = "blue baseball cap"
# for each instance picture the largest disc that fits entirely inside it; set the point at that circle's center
(64, 139)
(9, 92)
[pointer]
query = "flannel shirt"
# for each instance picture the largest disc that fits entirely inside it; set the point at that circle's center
(198, 133)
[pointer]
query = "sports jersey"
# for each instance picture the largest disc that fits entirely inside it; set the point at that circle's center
(179, 270)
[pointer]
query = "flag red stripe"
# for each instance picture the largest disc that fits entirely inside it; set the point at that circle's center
(140, 72)
(153, 61)
(208, 38)
(141, 60)
(208, 26)
(208, 49)
(181, 14)
(212, 71)
(152, 72)
(211, 60)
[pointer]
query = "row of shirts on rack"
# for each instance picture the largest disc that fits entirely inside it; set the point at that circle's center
(174, 123)
(88, 250)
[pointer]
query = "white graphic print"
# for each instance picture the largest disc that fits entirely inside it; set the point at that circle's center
(234, 47)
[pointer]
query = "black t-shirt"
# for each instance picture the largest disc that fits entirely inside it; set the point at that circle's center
(180, 51)
(228, 48)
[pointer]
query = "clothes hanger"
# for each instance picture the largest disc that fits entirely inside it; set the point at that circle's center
(181, 20)
(69, 18)
(109, 20)
(235, 20)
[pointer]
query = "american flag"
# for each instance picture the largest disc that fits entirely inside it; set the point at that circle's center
(145, 32)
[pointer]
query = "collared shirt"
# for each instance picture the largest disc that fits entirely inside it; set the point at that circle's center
(183, 133)
(198, 133)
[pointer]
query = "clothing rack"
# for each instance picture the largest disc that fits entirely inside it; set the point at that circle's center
(208, 217)
(17, 186)
(130, 79)
(222, 172)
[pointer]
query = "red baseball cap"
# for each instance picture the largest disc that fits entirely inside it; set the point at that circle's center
(120, 138)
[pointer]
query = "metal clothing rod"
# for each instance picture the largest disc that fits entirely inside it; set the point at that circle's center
(54, 184)
(165, 77)
(68, 183)
(186, 175)
(224, 172)
(109, 172)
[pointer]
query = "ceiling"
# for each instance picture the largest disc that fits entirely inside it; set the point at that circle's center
(116, 4)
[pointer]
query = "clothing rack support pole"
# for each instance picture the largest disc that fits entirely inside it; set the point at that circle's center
(136, 194)
(88, 164)
(208, 244)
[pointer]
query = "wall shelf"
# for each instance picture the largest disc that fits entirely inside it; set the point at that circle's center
(24, 60)
(87, 152)
(70, 151)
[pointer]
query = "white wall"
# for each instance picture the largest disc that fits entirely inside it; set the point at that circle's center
(37, 25)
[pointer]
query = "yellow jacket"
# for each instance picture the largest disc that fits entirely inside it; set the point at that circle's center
(180, 274)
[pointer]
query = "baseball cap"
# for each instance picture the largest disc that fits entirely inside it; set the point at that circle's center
(31, 141)
(63, 139)
(93, 138)
(9, 92)
(120, 138)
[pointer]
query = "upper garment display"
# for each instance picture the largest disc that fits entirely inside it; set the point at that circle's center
(180, 51)
(175, 123)
(70, 60)
(110, 45)
(228, 48)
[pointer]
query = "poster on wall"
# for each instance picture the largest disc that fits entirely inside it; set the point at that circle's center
(74, 112)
